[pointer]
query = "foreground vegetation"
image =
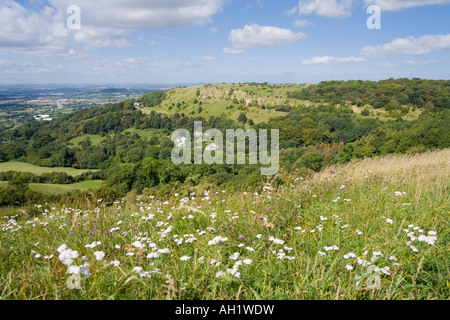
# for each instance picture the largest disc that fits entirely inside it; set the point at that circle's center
(325, 237)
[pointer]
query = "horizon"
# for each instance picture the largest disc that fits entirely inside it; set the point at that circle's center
(178, 85)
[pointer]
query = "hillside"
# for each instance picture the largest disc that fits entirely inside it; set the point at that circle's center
(128, 144)
(371, 229)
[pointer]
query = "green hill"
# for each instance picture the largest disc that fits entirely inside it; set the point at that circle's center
(130, 145)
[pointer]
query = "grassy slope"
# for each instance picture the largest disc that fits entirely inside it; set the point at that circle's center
(96, 140)
(215, 100)
(316, 205)
(60, 189)
(26, 167)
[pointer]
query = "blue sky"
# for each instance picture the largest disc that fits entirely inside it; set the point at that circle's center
(214, 41)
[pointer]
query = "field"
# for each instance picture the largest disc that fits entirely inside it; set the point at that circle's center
(96, 140)
(26, 167)
(60, 189)
(374, 229)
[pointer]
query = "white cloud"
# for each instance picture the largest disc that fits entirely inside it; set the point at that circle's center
(23, 31)
(144, 14)
(327, 8)
(292, 11)
(410, 46)
(214, 30)
(344, 8)
(302, 23)
(104, 23)
(333, 60)
(252, 36)
(208, 58)
(233, 51)
(396, 5)
(14, 68)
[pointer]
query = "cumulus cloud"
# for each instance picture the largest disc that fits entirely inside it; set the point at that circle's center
(410, 46)
(144, 14)
(252, 36)
(327, 8)
(333, 60)
(207, 58)
(396, 5)
(9, 67)
(302, 23)
(344, 8)
(104, 23)
(24, 31)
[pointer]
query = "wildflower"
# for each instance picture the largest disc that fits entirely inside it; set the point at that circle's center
(247, 262)
(281, 255)
(349, 267)
(322, 254)
(241, 236)
(220, 274)
(67, 255)
(250, 249)
(235, 256)
(185, 258)
(73, 270)
(390, 221)
(99, 255)
(115, 263)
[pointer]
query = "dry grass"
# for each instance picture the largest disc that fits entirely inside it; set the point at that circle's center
(425, 171)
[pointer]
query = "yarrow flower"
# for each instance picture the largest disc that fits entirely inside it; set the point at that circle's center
(115, 263)
(67, 255)
(99, 255)
(185, 258)
(235, 256)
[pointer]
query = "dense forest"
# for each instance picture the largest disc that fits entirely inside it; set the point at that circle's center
(133, 148)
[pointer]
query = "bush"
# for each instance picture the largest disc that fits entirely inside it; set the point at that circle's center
(311, 160)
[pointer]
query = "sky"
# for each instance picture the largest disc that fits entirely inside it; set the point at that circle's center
(216, 41)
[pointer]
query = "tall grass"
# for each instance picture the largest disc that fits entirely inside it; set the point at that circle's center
(310, 238)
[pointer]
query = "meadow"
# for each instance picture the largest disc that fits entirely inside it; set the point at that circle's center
(38, 170)
(372, 229)
(60, 189)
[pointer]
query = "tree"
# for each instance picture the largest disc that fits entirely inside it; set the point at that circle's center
(242, 118)
(311, 160)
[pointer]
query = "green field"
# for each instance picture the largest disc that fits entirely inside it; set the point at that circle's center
(27, 167)
(95, 139)
(60, 189)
